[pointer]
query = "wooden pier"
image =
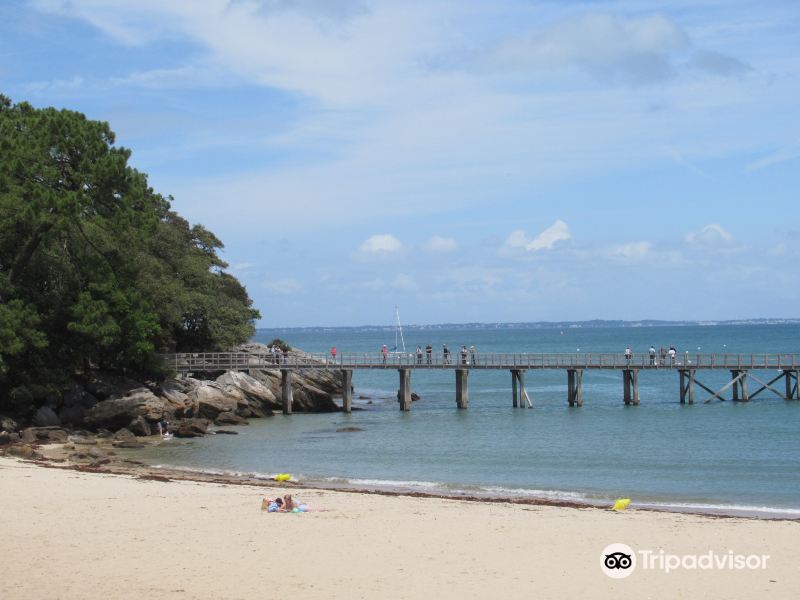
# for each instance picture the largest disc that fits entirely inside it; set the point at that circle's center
(742, 368)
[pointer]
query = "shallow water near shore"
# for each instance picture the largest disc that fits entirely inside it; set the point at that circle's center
(733, 458)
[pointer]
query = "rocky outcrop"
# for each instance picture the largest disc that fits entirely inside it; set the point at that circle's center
(121, 409)
(110, 402)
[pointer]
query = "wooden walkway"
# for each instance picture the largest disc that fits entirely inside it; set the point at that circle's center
(740, 366)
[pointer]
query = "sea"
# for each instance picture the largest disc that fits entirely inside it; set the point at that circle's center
(718, 457)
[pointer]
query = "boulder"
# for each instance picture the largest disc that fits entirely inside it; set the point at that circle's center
(124, 435)
(127, 444)
(250, 387)
(212, 399)
(43, 435)
(140, 427)
(23, 451)
(72, 415)
(308, 398)
(7, 438)
(229, 418)
(46, 417)
(118, 411)
(226, 432)
(103, 385)
(189, 428)
(175, 392)
(8, 424)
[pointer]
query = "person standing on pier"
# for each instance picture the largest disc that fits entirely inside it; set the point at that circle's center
(463, 354)
(333, 353)
(446, 354)
(429, 353)
(672, 352)
(652, 356)
(419, 355)
(473, 354)
(385, 353)
(628, 354)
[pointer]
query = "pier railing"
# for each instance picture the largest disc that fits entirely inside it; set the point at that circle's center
(240, 361)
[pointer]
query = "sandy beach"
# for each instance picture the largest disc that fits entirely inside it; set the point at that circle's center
(70, 534)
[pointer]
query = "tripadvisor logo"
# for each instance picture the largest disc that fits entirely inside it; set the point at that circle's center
(620, 560)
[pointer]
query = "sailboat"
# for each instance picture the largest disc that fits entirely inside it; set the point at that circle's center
(398, 333)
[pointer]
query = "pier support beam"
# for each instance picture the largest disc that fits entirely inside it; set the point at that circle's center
(739, 379)
(630, 387)
(286, 391)
(462, 388)
(792, 389)
(347, 390)
(518, 393)
(514, 393)
(405, 389)
(575, 387)
(687, 385)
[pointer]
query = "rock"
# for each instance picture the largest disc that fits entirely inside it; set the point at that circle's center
(23, 451)
(362, 397)
(8, 424)
(72, 415)
(103, 385)
(104, 433)
(84, 441)
(127, 444)
(118, 411)
(139, 427)
(347, 429)
(7, 438)
(175, 392)
(414, 396)
(43, 435)
(229, 418)
(226, 432)
(124, 435)
(308, 398)
(250, 387)
(46, 417)
(79, 456)
(189, 428)
(212, 399)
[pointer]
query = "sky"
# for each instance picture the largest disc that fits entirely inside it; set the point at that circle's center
(463, 160)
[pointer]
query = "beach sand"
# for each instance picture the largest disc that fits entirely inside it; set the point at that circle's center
(69, 534)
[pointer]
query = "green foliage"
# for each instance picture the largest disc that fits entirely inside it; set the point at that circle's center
(95, 269)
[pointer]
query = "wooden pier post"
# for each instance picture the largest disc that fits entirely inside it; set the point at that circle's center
(630, 386)
(522, 391)
(286, 391)
(687, 385)
(739, 384)
(347, 390)
(514, 393)
(462, 389)
(792, 389)
(575, 387)
(405, 389)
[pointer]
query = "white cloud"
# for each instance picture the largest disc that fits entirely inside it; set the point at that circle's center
(710, 234)
(632, 250)
(381, 243)
(546, 240)
(441, 244)
(282, 286)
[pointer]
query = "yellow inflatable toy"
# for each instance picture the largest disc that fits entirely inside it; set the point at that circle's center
(621, 504)
(282, 477)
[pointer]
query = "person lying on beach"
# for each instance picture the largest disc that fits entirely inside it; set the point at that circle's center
(271, 505)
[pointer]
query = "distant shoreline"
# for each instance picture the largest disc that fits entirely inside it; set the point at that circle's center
(592, 324)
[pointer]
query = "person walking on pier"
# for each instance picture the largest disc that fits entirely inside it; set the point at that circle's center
(652, 356)
(385, 353)
(429, 353)
(628, 354)
(419, 355)
(463, 355)
(333, 353)
(446, 354)
(473, 355)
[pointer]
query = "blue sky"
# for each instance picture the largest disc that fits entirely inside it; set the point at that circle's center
(513, 160)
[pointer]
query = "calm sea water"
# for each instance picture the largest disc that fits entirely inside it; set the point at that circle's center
(719, 456)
